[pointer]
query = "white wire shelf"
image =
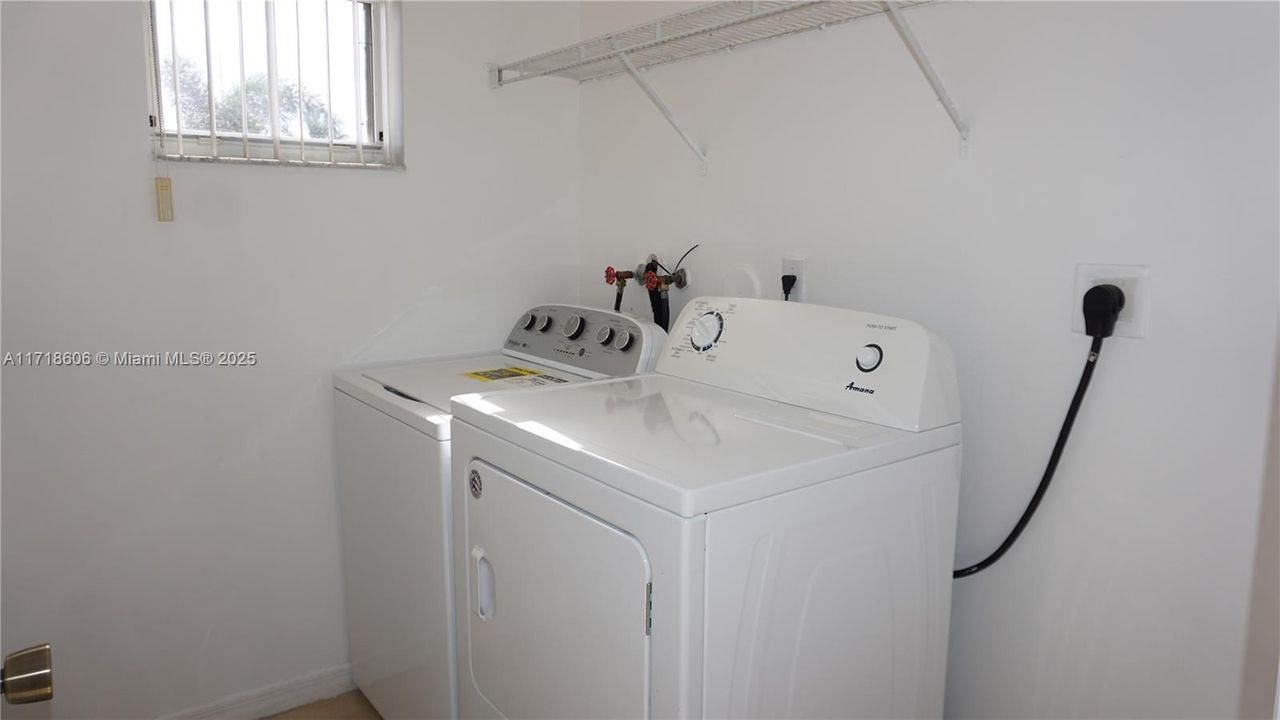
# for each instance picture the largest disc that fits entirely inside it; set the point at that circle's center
(700, 31)
(712, 28)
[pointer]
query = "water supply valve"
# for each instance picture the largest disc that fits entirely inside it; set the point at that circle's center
(654, 281)
(651, 281)
(620, 277)
(613, 276)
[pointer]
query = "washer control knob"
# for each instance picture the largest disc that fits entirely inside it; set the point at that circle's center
(544, 323)
(604, 335)
(574, 326)
(624, 340)
(527, 320)
(870, 357)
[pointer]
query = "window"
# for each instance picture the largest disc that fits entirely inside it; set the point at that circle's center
(274, 81)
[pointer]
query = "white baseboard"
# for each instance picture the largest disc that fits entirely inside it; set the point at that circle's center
(275, 698)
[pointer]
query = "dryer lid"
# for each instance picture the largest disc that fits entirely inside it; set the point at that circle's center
(689, 447)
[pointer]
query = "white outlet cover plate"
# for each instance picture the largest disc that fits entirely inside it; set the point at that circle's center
(794, 265)
(1134, 280)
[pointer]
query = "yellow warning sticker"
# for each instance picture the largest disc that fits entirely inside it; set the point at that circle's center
(505, 373)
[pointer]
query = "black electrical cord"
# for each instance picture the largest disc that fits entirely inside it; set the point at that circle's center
(685, 255)
(1054, 457)
(678, 262)
(1102, 306)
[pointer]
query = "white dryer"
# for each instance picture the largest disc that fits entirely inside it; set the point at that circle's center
(762, 528)
(394, 492)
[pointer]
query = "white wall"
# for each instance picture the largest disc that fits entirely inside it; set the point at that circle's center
(1103, 133)
(173, 531)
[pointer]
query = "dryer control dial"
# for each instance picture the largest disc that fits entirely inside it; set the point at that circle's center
(869, 357)
(544, 323)
(527, 320)
(604, 335)
(574, 326)
(706, 330)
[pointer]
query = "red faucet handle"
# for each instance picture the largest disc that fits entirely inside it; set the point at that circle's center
(610, 275)
(651, 280)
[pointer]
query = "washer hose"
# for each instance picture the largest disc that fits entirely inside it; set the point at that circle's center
(652, 267)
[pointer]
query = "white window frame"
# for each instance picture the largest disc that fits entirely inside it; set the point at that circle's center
(382, 151)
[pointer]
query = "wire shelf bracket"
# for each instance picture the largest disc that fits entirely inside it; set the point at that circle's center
(662, 107)
(917, 53)
(710, 28)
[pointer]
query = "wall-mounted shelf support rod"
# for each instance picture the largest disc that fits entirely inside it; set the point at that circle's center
(657, 101)
(917, 52)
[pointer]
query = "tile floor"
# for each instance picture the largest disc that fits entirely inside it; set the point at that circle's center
(347, 706)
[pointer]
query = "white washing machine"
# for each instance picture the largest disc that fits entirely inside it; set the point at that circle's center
(763, 528)
(394, 493)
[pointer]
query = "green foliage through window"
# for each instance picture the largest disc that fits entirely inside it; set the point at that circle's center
(194, 94)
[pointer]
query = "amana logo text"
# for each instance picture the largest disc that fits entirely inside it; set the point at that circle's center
(854, 386)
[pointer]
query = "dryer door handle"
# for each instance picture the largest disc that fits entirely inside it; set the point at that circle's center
(482, 584)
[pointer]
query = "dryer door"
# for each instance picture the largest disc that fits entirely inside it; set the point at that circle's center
(557, 612)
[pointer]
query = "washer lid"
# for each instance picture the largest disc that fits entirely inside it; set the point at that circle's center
(418, 394)
(433, 383)
(689, 447)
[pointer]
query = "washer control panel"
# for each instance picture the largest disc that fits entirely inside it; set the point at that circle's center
(869, 367)
(593, 342)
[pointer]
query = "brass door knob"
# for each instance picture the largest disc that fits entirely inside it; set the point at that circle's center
(27, 675)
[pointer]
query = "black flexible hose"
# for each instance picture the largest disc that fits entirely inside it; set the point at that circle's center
(1056, 455)
(653, 294)
(617, 300)
(664, 310)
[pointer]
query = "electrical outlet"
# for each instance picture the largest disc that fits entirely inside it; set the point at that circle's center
(793, 265)
(1134, 280)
